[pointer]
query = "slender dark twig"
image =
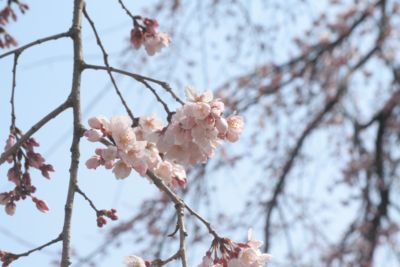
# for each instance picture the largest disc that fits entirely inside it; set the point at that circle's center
(105, 59)
(39, 41)
(137, 77)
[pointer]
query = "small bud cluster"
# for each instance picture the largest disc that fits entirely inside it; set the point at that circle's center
(103, 214)
(19, 173)
(226, 253)
(146, 34)
(195, 132)
(7, 13)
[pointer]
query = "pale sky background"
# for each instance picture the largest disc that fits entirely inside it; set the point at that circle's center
(44, 81)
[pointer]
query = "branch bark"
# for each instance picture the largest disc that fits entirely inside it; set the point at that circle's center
(77, 132)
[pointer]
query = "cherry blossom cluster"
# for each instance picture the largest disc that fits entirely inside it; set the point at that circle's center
(103, 214)
(223, 253)
(226, 253)
(197, 129)
(146, 33)
(194, 133)
(19, 174)
(6, 14)
(131, 148)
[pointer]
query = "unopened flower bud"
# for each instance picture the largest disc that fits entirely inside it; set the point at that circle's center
(10, 208)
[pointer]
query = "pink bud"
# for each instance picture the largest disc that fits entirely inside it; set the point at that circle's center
(41, 205)
(10, 208)
(136, 37)
(93, 162)
(4, 198)
(35, 159)
(12, 175)
(45, 169)
(10, 142)
(95, 123)
(93, 135)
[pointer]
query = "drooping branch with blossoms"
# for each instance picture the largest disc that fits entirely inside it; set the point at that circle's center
(159, 151)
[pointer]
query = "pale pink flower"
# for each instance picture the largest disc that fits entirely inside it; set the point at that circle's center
(217, 108)
(140, 166)
(110, 153)
(134, 261)
(93, 162)
(206, 139)
(152, 155)
(235, 127)
(150, 123)
(178, 176)
(121, 170)
(154, 42)
(164, 171)
(109, 164)
(122, 132)
(192, 95)
(251, 256)
(99, 123)
(179, 153)
(133, 152)
(93, 135)
(200, 110)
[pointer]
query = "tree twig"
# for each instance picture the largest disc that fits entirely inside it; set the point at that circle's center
(37, 42)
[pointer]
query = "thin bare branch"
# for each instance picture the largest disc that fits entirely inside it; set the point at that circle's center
(34, 129)
(37, 42)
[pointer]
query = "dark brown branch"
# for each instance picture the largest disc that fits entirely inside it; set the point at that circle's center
(134, 18)
(14, 84)
(77, 129)
(12, 257)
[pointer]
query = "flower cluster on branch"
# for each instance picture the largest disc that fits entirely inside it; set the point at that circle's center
(196, 130)
(19, 173)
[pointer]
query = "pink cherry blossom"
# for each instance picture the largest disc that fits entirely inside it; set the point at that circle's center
(150, 123)
(122, 132)
(153, 43)
(93, 135)
(99, 123)
(110, 153)
(93, 162)
(134, 261)
(121, 170)
(235, 127)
